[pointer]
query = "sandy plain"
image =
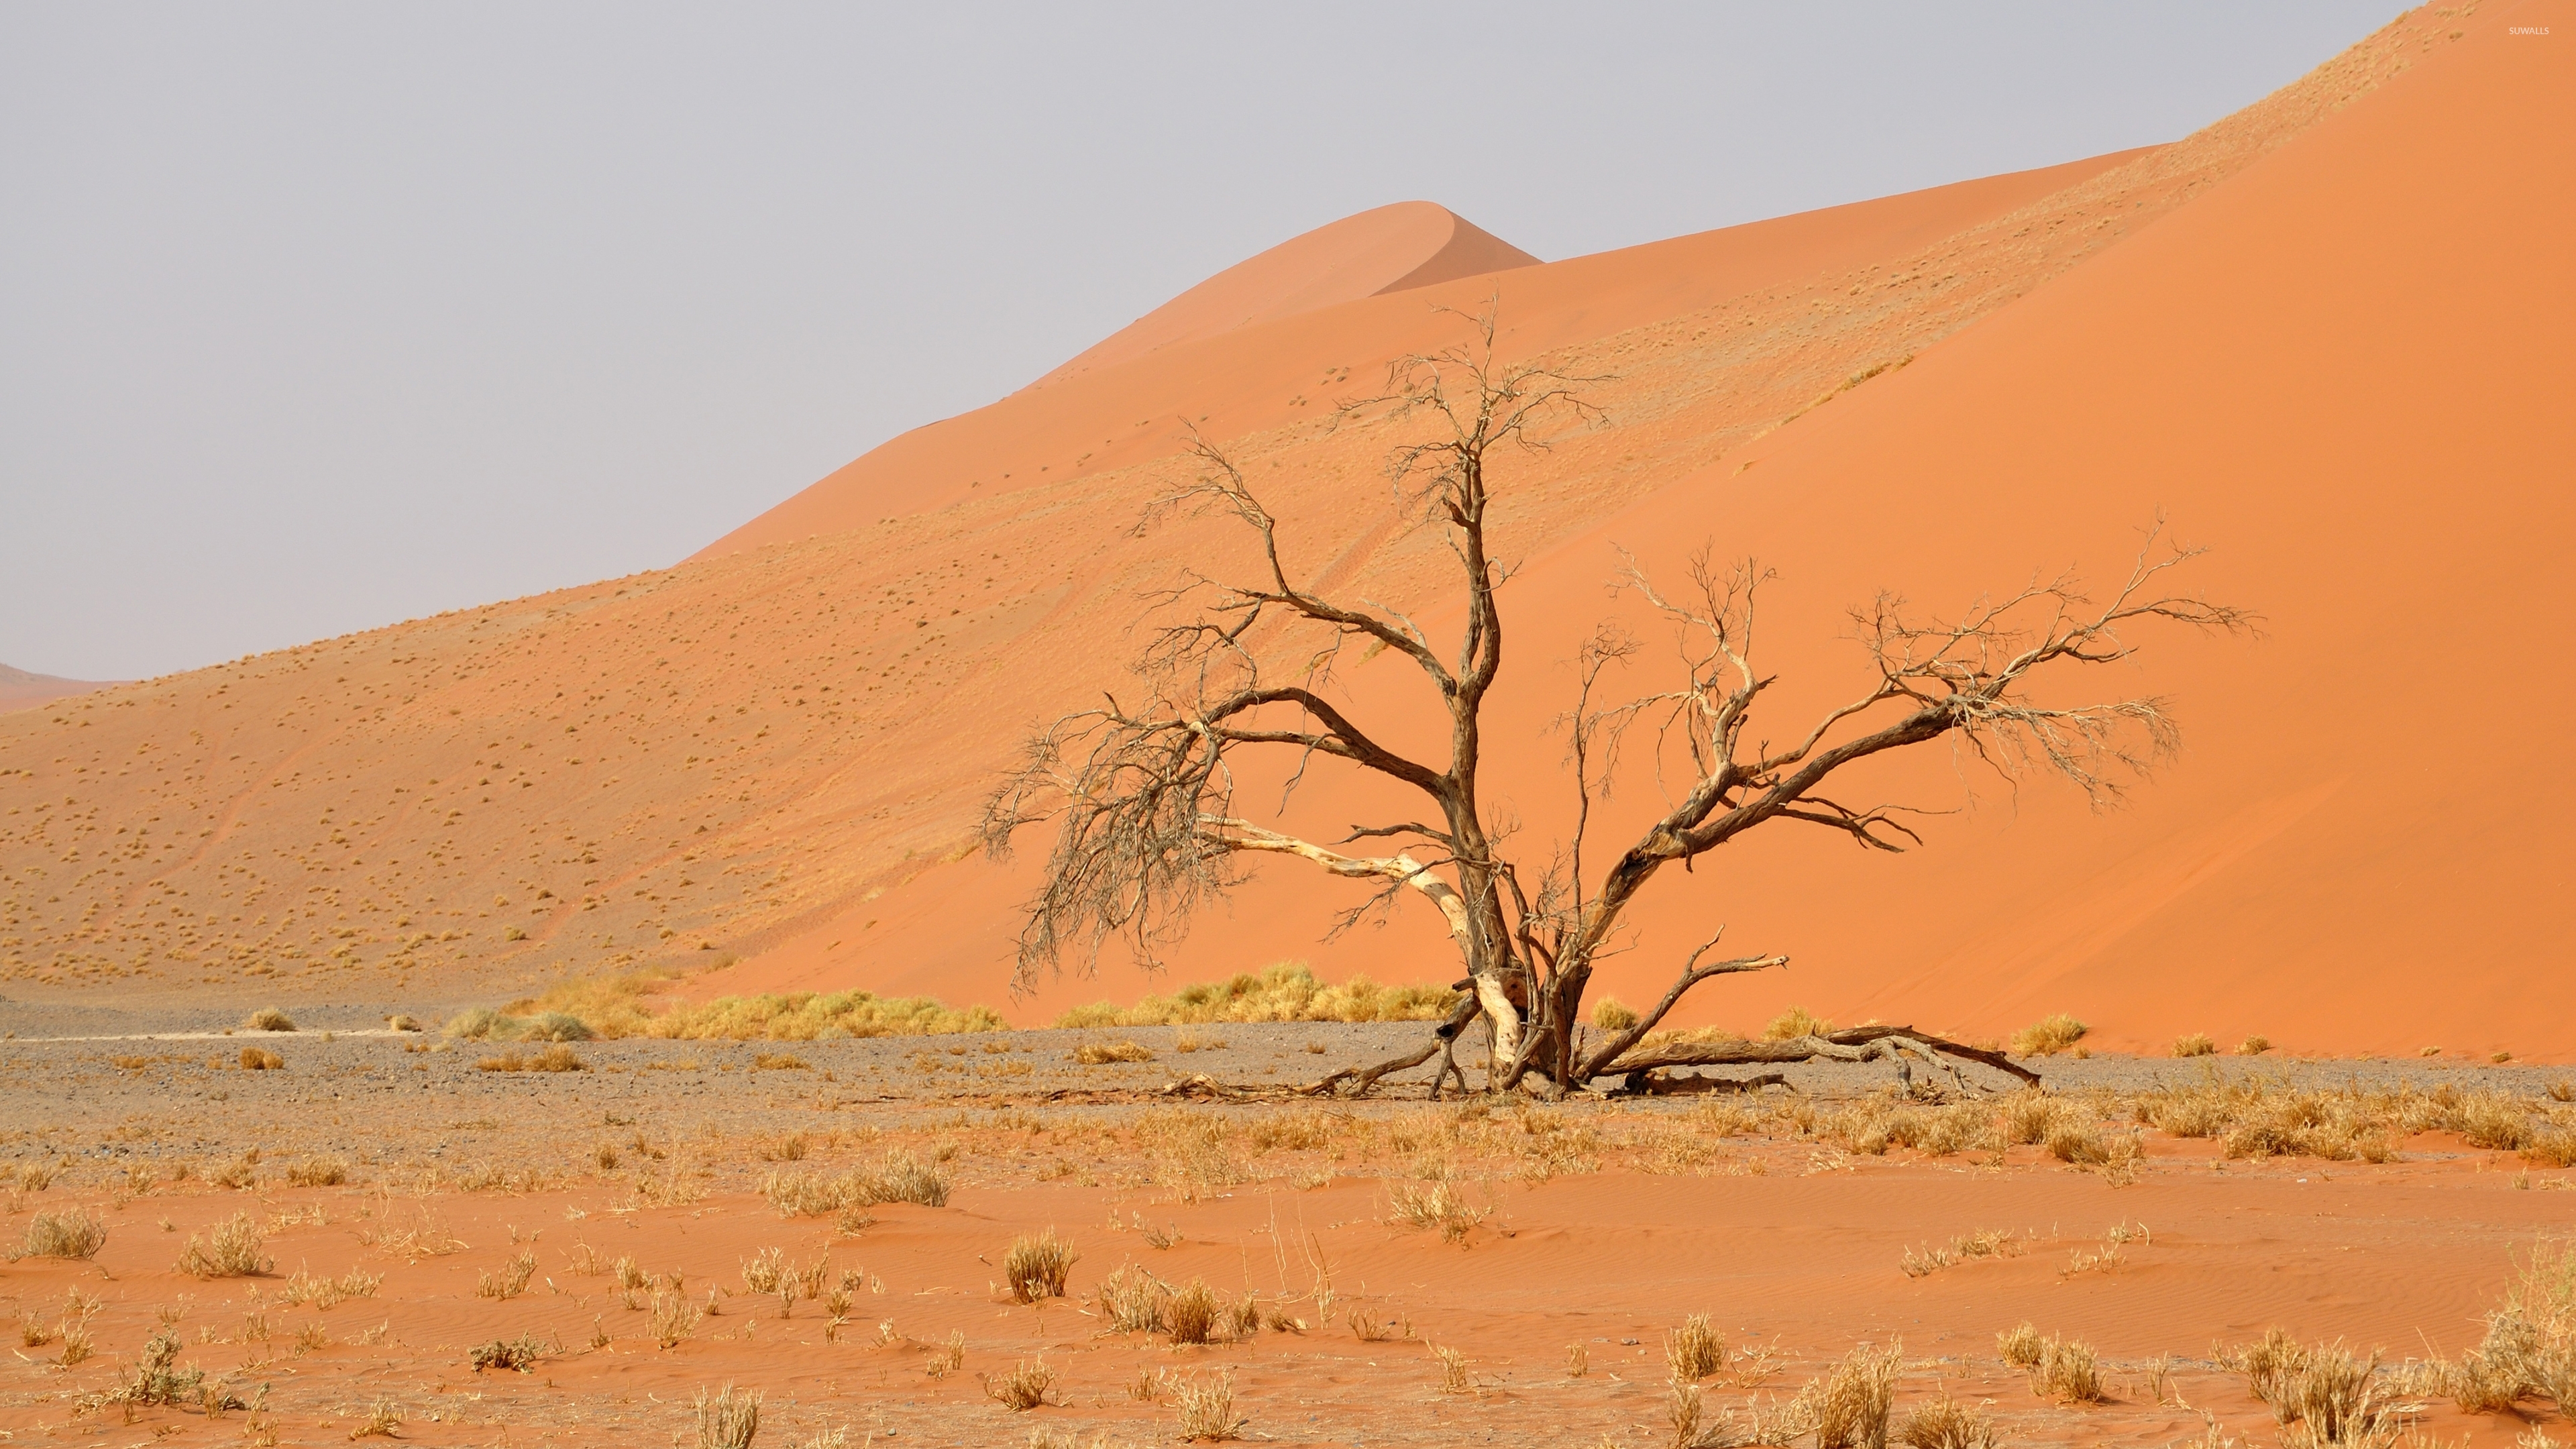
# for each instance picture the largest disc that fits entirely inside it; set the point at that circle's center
(1600, 1223)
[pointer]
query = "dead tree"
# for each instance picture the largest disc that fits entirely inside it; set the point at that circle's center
(1142, 794)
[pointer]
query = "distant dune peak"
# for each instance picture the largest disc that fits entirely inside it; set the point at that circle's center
(1384, 249)
(22, 690)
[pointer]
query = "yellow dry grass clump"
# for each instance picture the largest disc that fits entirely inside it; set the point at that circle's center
(230, 1249)
(624, 1006)
(76, 1234)
(1287, 991)
(2048, 1036)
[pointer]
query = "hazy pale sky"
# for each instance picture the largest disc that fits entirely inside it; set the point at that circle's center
(318, 317)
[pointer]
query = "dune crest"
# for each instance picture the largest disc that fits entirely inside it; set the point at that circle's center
(1385, 249)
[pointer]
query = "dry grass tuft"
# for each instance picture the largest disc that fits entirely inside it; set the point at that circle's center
(75, 1233)
(555, 1058)
(729, 1419)
(2048, 1036)
(269, 1018)
(230, 1249)
(1795, 1022)
(381, 1421)
(1851, 1402)
(257, 1059)
(1193, 1314)
(1695, 1351)
(510, 1282)
(1991, 1243)
(1435, 1205)
(1101, 1054)
(2530, 1346)
(1454, 1378)
(1207, 1409)
(319, 1172)
(1945, 1423)
(1287, 991)
(2197, 1044)
(1024, 1388)
(675, 1317)
(1037, 1266)
(1612, 1014)
(2254, 1046)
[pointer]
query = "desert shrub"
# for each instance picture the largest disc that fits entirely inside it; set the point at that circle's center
(1095, 1054)
(519, 1354)
(230, 1249)
(2254, 1046)
(1287, 991)
(1025, 1387)
(1036, 1266)
(158, 1379)
(269, 1018)
(2021, 1346)
(319, 1172)
(2197, 1044)
(256, 1059)
(1612, 1014)
(381, 1421)
(2048, 1036)
(1795, 1022)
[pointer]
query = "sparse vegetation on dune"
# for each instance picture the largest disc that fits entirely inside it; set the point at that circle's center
(1287, 991)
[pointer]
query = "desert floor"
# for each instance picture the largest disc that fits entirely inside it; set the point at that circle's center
(1598, 1223)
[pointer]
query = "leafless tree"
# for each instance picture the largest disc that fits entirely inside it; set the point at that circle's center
(1142, 794)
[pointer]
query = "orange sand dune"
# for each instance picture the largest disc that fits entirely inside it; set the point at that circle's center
(2337, 371)
(22, 690)
(1388, 249)
(2290, 328)
(1287, 371)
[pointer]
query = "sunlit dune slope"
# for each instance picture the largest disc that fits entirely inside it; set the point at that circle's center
(22, 690)
(1387, 249)
(2341, 372)
(776, 750)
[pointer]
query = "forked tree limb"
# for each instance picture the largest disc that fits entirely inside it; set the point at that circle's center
(1693, 974)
